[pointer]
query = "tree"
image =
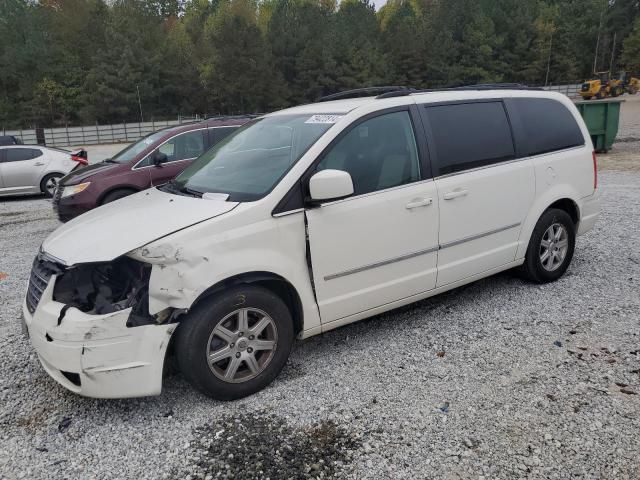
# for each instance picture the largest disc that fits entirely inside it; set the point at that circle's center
(631, 49)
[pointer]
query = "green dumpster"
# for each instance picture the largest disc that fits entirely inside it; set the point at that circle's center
(601, 117)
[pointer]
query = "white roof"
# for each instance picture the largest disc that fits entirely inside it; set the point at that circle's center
(347, 105)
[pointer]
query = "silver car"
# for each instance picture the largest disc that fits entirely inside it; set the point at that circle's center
(32, 169)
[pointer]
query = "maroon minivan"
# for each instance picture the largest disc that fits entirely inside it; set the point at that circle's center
(152, 160)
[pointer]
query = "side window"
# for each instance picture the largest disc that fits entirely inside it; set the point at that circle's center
(378, 153)
(547, 125)
(19, 154)
(182, 147)
(185, 146)
(218, 133)
(470, 135)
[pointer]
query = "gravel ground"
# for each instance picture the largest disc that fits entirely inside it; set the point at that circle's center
(499, 379)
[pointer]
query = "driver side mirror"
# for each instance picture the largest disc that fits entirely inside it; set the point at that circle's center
(159, 158)
(330, 185)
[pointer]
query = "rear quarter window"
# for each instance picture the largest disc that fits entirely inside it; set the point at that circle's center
(469, 135)
(547, 125)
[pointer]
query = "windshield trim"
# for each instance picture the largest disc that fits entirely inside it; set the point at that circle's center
(290, 167)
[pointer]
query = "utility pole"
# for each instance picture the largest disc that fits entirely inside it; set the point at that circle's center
(595, 59)
(140, 104)
(613, 52)
(546, 79)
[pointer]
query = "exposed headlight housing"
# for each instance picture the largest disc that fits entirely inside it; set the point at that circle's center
(74, 189)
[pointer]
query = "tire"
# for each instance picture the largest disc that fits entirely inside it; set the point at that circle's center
(536, 267)
(601, 94)
(588, 98)
(115, 195)
(49, 183)
(213, 327)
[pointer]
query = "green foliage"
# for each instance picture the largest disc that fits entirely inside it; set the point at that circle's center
(82, 61)
(631, 50)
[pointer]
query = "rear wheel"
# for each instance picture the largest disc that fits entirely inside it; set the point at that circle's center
(49, 184)
(235, 344)
(550, 248)
(117, 194)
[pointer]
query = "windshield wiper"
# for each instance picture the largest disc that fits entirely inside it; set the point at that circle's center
(172, 187)
(195, 193)
(109, 160)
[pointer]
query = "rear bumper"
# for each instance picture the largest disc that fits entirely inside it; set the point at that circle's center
(97, 355)
(589, 213)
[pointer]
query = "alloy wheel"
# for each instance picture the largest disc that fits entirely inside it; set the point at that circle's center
(553, 247)
(241, 345)
(51, 185)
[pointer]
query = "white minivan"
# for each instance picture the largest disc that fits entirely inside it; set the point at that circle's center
(304, 220)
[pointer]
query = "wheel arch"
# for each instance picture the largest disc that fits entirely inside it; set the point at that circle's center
(115, 188)
(569, 206)
(269, 280)
(44, 177)
(559, 197)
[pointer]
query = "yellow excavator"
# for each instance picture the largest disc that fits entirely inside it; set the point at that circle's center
(601, 87)
(630, 84)
(604, 86)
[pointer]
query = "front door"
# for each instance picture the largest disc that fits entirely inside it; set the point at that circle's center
(484, 192)
(381, 244)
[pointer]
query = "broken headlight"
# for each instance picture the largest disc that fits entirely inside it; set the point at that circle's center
(102, 288)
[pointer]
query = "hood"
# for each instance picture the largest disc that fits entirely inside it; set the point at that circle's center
(84, 173)
(116, 228)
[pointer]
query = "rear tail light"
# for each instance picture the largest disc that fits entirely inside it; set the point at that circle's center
(80, 156)
(79, 159)
(595, 171)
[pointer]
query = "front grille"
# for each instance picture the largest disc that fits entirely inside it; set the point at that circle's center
(41, 273)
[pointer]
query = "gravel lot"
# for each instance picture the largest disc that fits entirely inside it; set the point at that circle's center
(499, 379)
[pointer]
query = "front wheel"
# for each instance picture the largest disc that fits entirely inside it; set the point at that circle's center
(234, 344)
(550, 248)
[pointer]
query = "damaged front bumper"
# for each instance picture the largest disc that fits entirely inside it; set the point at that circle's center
(97, 355)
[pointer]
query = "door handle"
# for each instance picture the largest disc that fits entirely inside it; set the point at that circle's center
(458, 192)
(38, 164)
(419, 202)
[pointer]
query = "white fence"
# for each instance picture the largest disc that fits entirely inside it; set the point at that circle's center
(94, 134)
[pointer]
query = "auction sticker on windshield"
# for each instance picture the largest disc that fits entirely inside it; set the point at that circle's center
(324, 119)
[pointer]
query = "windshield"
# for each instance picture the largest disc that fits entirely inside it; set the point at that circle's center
(249, 163)
(129, 153)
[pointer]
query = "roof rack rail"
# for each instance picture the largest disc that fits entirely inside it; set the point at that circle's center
(496, 86)
(401, 91)
(362, 92)
(479, 86)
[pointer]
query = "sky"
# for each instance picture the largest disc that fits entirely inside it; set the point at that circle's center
(379, 4)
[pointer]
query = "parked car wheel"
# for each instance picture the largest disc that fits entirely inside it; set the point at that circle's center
(49, 184)
(551, 247)
(235, 344)
(117, 194)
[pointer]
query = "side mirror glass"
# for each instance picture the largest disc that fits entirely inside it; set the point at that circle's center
(159, 158)
(330, 185)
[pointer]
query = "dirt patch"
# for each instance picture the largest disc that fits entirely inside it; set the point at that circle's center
(262, 445)
(623, 156)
